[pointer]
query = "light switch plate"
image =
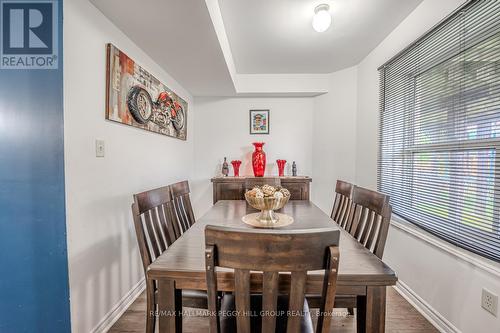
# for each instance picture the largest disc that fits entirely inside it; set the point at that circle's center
(99, 148)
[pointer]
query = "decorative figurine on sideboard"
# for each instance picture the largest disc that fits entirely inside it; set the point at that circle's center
(281, 167)
(236, 167)
(294, 169)
(225, 168)
(258, 160)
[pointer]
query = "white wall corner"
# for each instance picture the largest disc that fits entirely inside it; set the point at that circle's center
(218, 23)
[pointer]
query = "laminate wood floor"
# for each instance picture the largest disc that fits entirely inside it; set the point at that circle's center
(401, 318)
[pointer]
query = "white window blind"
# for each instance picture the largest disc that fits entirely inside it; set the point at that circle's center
(439, 134)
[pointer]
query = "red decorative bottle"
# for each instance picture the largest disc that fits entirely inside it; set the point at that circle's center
(258, 160)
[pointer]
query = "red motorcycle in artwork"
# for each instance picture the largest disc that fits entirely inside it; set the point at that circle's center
(162, 112)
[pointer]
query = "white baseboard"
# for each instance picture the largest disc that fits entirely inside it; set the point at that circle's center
(116, 312)
(433, 316)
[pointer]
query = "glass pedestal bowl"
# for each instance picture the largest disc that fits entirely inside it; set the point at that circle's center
(267, 206)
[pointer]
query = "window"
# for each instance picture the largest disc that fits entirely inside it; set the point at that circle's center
(439, 157)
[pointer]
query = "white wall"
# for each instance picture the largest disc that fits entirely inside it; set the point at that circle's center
(222, 130)
(334, 143)
(447, 284)
(104, 263)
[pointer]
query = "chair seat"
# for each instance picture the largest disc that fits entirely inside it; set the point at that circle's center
(195, 299)
(194, 293)
(192, 299)
(228, 316)
(341, 301)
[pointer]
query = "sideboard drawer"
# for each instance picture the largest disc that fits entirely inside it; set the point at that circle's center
(233, 188)
(229, 191)
(298, 191)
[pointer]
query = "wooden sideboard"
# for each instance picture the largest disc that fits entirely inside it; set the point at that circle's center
(233, 188)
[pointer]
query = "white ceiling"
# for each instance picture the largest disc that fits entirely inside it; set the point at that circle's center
(238, 47)
(276, 36)
(179, 36)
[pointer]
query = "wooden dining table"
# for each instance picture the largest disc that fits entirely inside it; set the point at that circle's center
(182, 266)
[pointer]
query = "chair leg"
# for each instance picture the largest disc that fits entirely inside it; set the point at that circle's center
(151, 308)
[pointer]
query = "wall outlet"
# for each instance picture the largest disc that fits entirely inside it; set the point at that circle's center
(99, 148)
(489, 302)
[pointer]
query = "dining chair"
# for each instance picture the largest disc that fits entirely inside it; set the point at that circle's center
(369, 219)
(182, 204)
(342, 202)
(340, 214)
(250, 183)
(291, 253)
(156, 229)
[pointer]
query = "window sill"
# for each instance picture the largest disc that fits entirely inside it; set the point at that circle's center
(485, 264)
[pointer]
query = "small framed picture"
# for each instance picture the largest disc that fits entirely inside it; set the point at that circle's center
(259, 121)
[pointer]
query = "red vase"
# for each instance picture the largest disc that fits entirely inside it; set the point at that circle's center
(258, 160)
(236, 167)
(281, 167)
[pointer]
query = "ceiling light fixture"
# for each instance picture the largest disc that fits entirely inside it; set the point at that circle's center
(322, 18)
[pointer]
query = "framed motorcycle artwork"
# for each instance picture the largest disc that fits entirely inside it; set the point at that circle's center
(136, 98)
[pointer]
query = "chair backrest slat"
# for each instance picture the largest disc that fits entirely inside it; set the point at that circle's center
(182, 203)
(162, 244)
(167, 228)
(337, 206)
(242, 299)
(374, 232)
(181, 216)
(250, 183)
(342, 203)
(359, 220)
(269, 301)
(153, 242)
(370, 222)
(296, 302)
(343, 212)
(370, 217)
(189, 208)
(353, 215)
(174, 226)
(154, 223)
(272, 252)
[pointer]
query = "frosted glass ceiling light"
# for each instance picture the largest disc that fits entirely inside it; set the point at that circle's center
(322, 18)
